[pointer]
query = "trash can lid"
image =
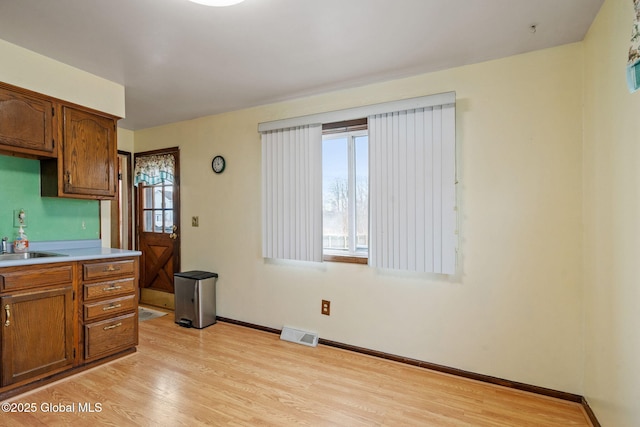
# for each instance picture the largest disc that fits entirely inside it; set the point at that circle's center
(196, 274)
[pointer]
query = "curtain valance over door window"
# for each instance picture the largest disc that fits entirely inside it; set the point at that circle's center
(155, 169)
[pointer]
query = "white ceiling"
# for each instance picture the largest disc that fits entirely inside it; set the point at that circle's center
(180, 60)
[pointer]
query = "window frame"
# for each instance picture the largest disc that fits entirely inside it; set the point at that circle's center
(350, 129)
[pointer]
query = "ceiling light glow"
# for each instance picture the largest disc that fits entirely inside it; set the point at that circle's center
(217, 3)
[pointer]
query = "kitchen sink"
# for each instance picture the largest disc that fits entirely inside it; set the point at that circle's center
(27, 255)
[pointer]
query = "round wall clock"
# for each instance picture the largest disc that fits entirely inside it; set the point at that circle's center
(218, 164)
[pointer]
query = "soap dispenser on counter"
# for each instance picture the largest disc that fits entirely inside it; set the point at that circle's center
(21, 242)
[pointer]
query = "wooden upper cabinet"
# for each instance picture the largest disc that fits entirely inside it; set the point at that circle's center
(89, 153)
(86, 164)
(76, 145)
(26, 124)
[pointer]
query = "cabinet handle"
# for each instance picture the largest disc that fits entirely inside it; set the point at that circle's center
(111, 307)
(112, 288)
(106, 328)
(7, 310)
(110, 268)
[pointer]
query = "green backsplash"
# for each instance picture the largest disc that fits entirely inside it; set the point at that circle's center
(48, 218)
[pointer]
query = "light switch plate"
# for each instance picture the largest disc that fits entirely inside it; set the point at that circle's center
(195, 221)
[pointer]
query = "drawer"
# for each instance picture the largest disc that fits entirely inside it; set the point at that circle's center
(108, 289)
(34, 276)
(110, 336)
(111, 307)
(105, 270)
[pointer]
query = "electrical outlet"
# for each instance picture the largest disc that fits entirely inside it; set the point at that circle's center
(194, 221)
(326, 307)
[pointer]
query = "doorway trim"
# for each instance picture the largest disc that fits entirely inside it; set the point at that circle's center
(122, 205)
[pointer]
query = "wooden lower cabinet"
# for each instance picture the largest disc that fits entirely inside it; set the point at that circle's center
(37, 333)
(62, 317)
(110, 306)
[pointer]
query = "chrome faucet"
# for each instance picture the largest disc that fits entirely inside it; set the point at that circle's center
(4, 249)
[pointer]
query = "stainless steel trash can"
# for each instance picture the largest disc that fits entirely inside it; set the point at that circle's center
(195, 298)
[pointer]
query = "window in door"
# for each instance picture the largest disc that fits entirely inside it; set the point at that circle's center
(157, 205)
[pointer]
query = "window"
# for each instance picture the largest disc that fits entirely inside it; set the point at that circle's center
(345, 193)
(405, 152)
(154, 175)
(157, 206)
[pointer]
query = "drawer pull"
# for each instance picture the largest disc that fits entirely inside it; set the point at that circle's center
(111, 268)
(7, 310)
(112, 288)
(117, 325)
(111, 307)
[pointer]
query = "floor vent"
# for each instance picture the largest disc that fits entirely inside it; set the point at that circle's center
(299, 337)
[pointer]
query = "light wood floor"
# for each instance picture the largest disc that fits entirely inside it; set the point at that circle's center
(231, 375)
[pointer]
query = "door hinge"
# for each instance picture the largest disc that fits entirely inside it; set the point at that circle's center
(74, 353)
(73, 298)
(53, 111)
(119, 177)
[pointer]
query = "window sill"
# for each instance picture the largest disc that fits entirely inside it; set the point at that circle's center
(351, 259)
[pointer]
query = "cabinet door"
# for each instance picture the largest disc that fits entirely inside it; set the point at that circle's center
(37, 333)
(26, 124)
(89, 153)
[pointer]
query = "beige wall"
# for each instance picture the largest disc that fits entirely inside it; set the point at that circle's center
(515, 308)
(612, 221)
(27, 69)
(125, 140)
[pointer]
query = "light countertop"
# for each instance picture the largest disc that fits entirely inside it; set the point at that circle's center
(73, 250)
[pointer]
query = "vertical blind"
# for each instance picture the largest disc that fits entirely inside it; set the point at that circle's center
(292, 193)
(412, 190)
(412, 184)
